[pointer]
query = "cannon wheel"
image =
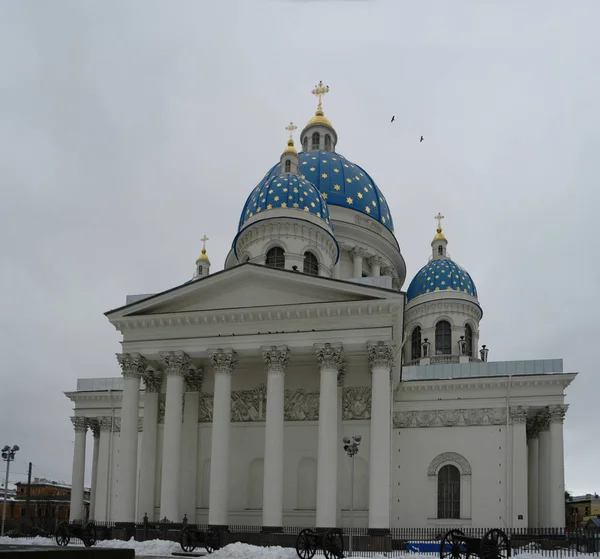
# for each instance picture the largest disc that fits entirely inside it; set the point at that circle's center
(451, 546)
(495, 545)
(305, 547)
(188, 535)
(333, 544)
(63, 534)
(88, 534)
(212, 539)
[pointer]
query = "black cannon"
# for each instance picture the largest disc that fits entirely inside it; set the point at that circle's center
(493, 545)
(86, 533)
(191, 538)
(331, 542)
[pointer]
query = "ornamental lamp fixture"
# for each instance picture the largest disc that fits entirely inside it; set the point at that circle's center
(462, 346)
(483, 352)
(425, 345)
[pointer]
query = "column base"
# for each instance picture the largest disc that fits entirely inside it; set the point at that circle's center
(271, 529)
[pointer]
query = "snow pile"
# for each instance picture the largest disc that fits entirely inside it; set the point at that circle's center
(163, 548)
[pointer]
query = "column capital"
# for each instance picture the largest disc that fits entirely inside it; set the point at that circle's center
(358, 252)
(556, 413)
(376, 261)
(80, 424)
(276, 357)
(518, 414)
(175, 362)
(387, 270)
(223, 360)
(94, 427)
(543, 420)
(330, 356)
(152, 380)
(381, 354)
(193, 379)
(133, 365)
(105, 423)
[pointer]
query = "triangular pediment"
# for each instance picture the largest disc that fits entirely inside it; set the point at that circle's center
(251, 286)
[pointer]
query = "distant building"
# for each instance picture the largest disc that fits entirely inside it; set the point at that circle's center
(49, 503)
(581, 508)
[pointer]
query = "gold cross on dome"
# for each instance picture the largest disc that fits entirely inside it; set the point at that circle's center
(319, 91)
(439, 218)
(290, 128)
(204, 239)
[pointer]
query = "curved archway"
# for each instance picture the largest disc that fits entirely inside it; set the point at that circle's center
(415, 343)
(449, 458)
(315, 141)
(275, 257)
(443, 338)
(311, 264)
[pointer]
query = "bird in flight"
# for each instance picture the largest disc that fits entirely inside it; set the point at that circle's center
(393, 118)
(421, 139)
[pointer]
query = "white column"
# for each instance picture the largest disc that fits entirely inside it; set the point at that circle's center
(330, 358)
(189, 450)
(276, 359)
(544, 471)
(133, 365)
(223, 362)
(519, 476)
(146, 504)
(557, 466)
(357, 255)
(80, 424)
(95, 428)
(102, 488)
(533, 448)
(176, 365)
(381, 359)
(376, 262)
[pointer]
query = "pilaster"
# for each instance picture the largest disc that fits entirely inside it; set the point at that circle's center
(556, 415)
(102, 485)
(95, 429)
(533, 449)
(518, 505)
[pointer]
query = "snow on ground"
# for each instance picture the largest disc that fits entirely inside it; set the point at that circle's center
(162, 548)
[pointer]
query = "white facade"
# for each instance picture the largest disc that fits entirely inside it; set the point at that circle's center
(238, 387)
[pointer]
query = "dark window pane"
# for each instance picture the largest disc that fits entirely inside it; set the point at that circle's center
(449, 492)
(469, 340)
(276, 258)
(311, 264)
(443, 338)
(416, 343)
(316, 138)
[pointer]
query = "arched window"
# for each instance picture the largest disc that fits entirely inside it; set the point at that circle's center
(316, 139)
(443, 338)
(416, 343)
(449, 492)
(311, 264)
(469, 340)
(288, 166)
(305, 144)
(276, 258)
(327, 142)
(441, 250)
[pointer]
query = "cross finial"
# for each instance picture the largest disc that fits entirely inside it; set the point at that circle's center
(290, 128)
(439, 218)
(319, 91)
(204, 239)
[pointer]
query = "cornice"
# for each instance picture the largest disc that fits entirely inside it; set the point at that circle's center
(441, 306)
(447, 385)
(309, 311)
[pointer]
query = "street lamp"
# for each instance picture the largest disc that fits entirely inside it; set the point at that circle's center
(8, 455)
(351, 448)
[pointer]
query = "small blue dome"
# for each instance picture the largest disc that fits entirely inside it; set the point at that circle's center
(342, 183)
(287, 191)
(440, 275)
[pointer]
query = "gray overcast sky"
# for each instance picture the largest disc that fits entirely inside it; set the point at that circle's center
(130, 129)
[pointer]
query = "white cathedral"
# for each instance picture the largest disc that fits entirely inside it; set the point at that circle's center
(238, 387)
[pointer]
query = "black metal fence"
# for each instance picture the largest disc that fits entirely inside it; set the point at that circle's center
(549, 542)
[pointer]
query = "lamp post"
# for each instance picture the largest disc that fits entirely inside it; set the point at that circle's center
(8, 455)
(351, 448)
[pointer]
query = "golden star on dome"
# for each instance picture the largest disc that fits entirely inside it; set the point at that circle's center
(324, 195)
(269, 207)
(336, 187)
(348, 180)
(360, 195)
(296, 205)
(283, 205)
(306, 209)
(382, 219)
(349, 200)
(336, 170)
(367, 209)
(324, 175)
(312, 169)
(276, 198)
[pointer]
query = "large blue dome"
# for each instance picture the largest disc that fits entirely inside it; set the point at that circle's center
(441, 274)
(287, 191)
(342, 183)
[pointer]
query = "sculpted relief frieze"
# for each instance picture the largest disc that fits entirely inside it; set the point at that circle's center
(356, 403)
(301, 405)
(249, 405)
(450, 418)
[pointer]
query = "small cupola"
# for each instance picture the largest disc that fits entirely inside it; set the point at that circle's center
(289, 158)
(202, 262)
(439, 243)
(319, 134)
